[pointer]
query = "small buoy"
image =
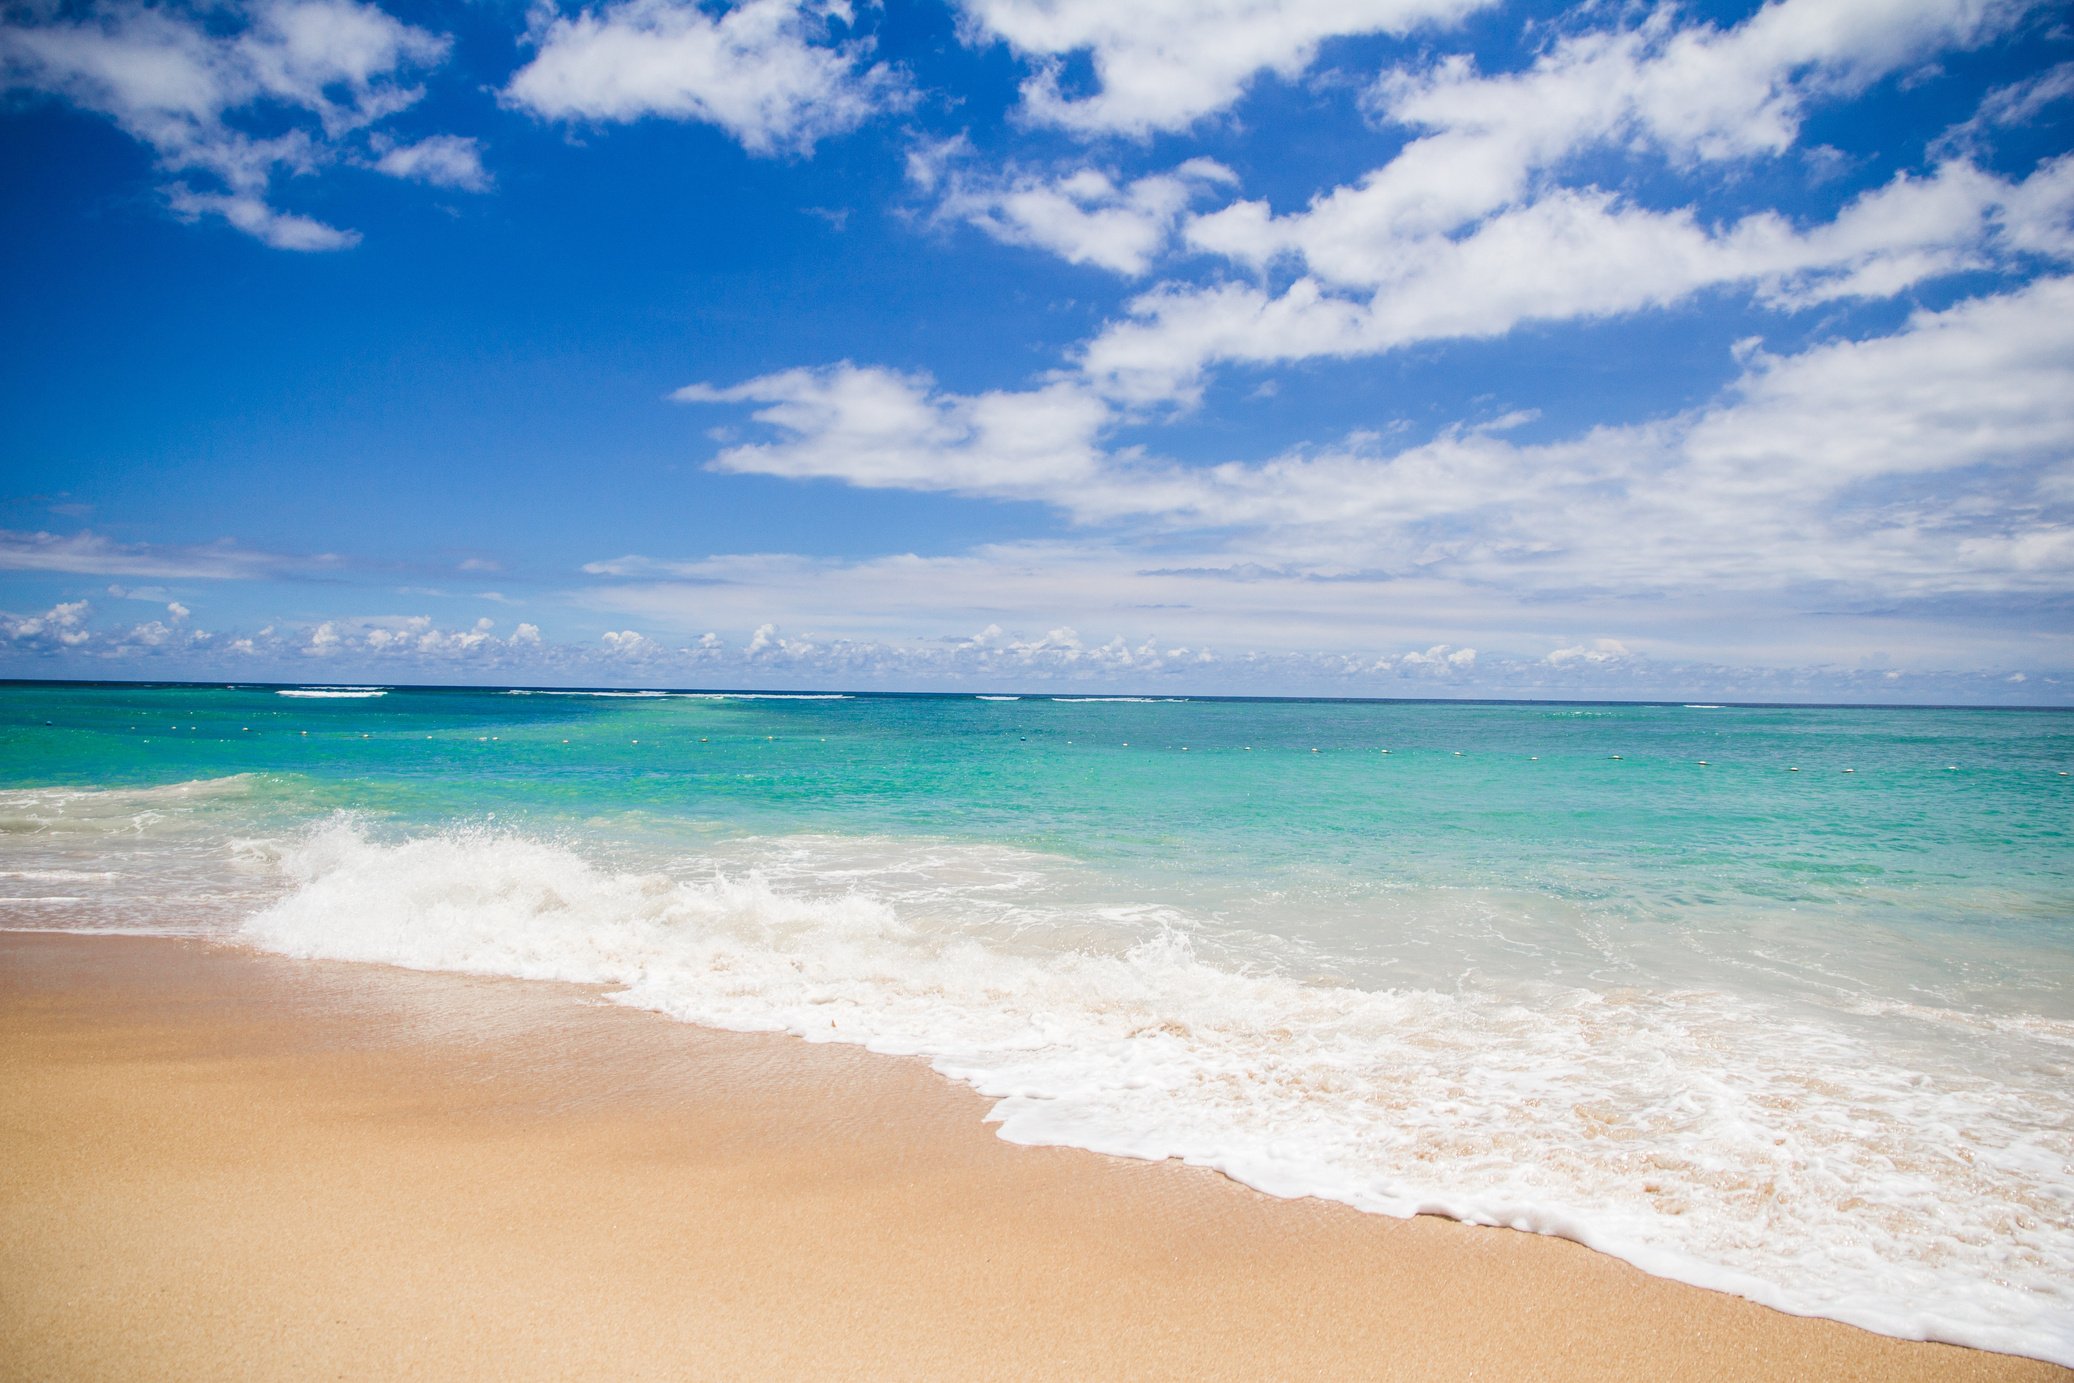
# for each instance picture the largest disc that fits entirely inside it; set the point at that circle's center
(246, 729)
(565, 741)
(1794, 769)
(1533, 758)
(702, 740)
(305, 732)
(637, 741)
(1613, 756)
(1127, 744)
(1850, 770)
(1314, 751)
(496, 737)
(1383, 751)
(1184, 749)
(1458, 753)
(1249, 749)
(1703, 763)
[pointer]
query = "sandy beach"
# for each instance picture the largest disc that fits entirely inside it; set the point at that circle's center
(227, 1165)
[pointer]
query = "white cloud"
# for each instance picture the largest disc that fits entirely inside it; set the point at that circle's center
(881, 429)
(1597, 651)
(92, 554)
(193, 83)
(2004, 107)
(1329, 636)
(1575, 254)
(441, 160)
(369, 640)
(1086, 216)
(1468, 231)
(762, 70)
(1930, 463)
(60, 625)
(1164, 64)
(1439, 659)
(627, 645)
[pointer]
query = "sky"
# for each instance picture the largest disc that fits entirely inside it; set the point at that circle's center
(1448, 348)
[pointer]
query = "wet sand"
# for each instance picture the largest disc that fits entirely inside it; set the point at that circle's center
(225, 1165)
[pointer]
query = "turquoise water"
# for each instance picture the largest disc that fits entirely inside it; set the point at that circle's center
(1797, 1020)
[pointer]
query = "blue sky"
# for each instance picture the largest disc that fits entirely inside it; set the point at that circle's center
(1355, 347)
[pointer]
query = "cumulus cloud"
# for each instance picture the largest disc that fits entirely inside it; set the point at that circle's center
(627, 644)
(883, 429)
(1164, 64)
(1337, 650)
(417, 640)
(1086, 216)
(766, 71)
(441, 160)
(1598, 651)
(228, 97)
(60, 626)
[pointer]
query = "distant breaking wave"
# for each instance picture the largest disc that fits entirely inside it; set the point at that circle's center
(764, 696)
(685, 696)
(642, 695)
(340, 693)
(1136, 700)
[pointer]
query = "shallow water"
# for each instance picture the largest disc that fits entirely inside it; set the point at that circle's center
(1797, 1021)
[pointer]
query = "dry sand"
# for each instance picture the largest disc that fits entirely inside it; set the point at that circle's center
(224, 1165)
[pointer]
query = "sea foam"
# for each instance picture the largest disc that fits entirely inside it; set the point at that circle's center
(1698, 1134)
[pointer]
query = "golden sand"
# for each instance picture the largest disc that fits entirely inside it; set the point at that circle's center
(224, 1165)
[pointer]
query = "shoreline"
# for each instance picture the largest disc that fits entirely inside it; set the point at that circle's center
(225, 1164)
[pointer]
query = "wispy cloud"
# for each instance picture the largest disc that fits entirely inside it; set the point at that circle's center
(92, 554)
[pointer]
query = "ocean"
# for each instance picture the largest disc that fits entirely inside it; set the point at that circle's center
(1778, 1000)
